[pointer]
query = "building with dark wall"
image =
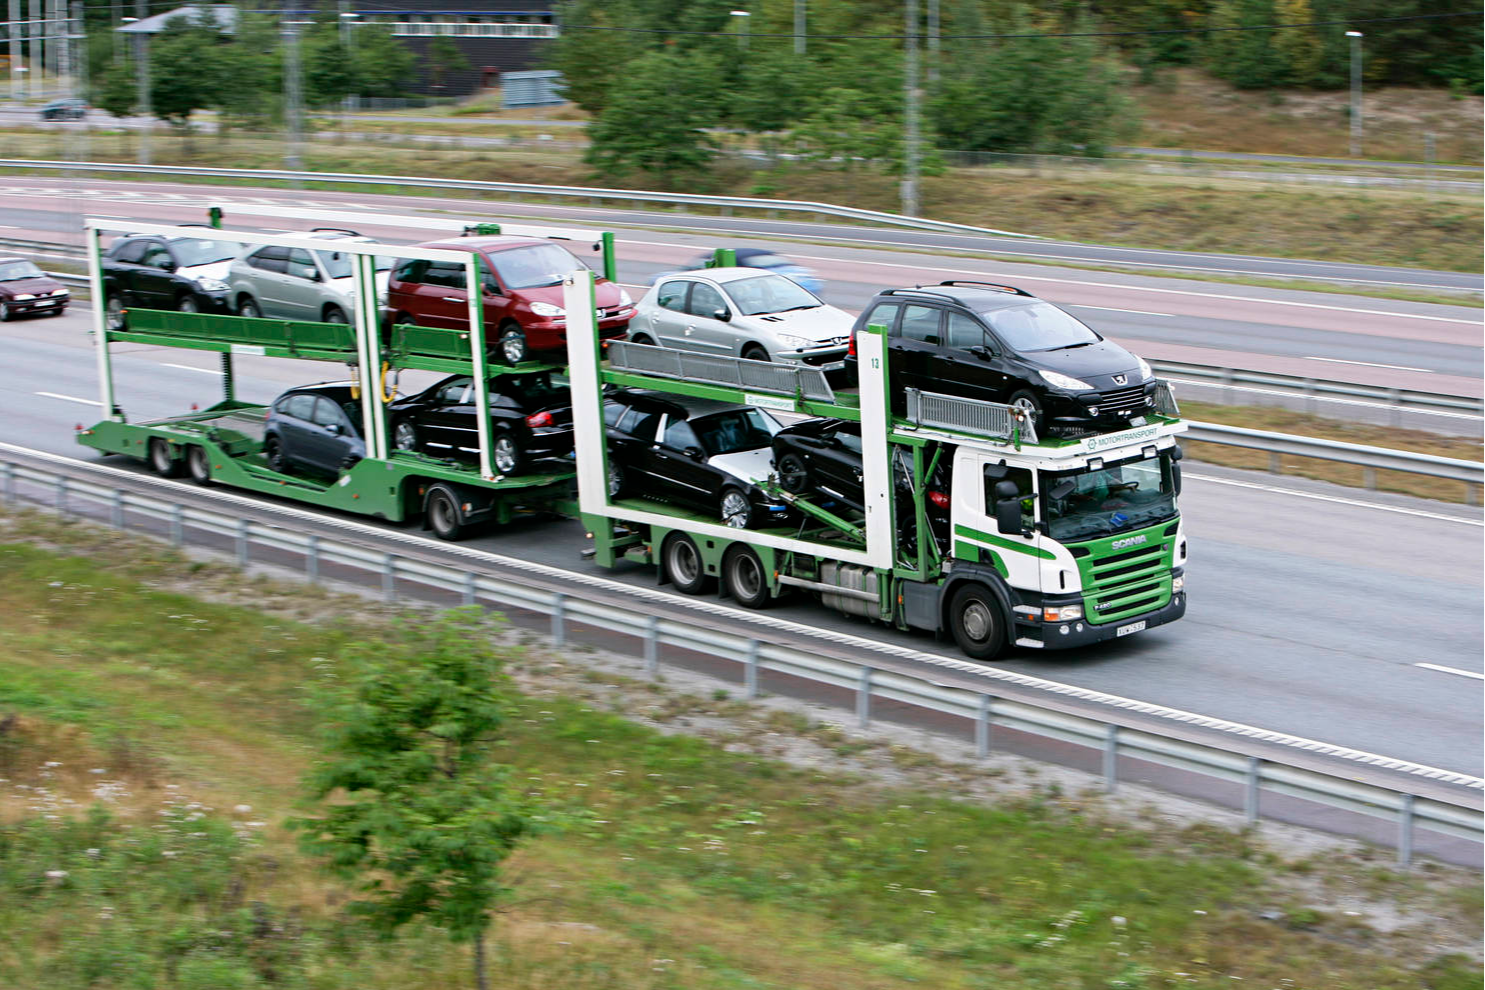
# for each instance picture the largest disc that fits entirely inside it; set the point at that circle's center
(503, 36)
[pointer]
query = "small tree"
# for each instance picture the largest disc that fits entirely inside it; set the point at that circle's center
(656, 119)
(380, 64)
(444, 57)
(115, 91)
(411, 803)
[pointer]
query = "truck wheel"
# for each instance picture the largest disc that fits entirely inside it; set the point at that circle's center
(975, 617)
(162, 460)
(506, 454)
(736, 511)
(793, 475)
(443, 514)
(683, 564)
(746, 580)
(198, 463)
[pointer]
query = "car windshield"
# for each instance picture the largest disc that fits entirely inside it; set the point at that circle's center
(735, 430)
(1038, 326)
(193, 251)
(769, 294)
(1113, 499)
(11, 271)
(537, 265)
(338, 263)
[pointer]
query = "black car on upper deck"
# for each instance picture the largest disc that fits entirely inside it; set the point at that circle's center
(996, 343)
(185, 272)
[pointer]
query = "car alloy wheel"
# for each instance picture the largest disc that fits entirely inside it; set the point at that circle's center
(737, 511)
(114, 313)
(187, 304)
(793, 475)
(506, 453)
(513, 346)
(249, 308)
(405, 435)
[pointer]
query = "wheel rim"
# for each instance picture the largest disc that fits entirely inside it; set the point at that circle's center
(187, 305)
(249, 309)
(404, 436)
(615, 479)
(792, 474)
(199, 466)
(335, 316)
(747, 576)
(1025, 405)
(442, 514)
(160, 456)
(513, 347)
(115, 308)
(505, 455)
(685, 562)
(735, 510)
(977, 621)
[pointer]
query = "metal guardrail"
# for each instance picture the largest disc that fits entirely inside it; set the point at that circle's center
(724, 203)
(1409, 795)
(1320, 388)
(1369, 458)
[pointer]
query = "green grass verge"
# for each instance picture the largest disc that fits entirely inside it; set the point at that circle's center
(181, 721)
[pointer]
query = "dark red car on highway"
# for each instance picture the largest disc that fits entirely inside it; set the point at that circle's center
(26, 290)
(522, 295)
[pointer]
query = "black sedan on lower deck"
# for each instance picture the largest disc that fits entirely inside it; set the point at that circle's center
(822, 457)
(700, 453)
(530, 418)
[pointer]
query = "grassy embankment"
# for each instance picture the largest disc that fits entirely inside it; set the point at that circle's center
(693, 862)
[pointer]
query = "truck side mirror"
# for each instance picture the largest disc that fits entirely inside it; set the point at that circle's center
(1008, 508)
(1175, 477)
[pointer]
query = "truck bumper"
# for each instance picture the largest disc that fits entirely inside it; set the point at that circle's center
(1080, 632)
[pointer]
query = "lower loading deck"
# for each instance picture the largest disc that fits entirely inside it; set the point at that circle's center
(224, 445)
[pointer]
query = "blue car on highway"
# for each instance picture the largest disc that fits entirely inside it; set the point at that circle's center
(763, 258)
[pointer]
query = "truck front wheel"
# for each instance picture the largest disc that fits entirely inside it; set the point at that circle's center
(975, 617)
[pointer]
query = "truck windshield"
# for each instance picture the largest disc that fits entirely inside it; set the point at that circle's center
(1113, 499)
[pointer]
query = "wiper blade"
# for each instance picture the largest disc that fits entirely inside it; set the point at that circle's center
(1086, 343)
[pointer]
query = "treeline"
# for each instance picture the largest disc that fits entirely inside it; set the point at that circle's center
(663, 77)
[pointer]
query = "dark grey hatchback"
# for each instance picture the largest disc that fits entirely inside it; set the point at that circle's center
(996, 343)
(315, 428)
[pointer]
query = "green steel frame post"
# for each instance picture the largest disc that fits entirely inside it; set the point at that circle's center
(920, 510)
(723, 258)
(610, 260)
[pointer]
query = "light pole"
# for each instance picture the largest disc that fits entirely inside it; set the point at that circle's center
(293, 104)
(1355, 37)
(800, 31)
(742, 28)
(347, 42)
(910, 113)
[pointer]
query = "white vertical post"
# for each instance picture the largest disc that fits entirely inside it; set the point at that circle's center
(589, 434)
(871, 355)
(367, 327)
(1355, 37)
(17, 77)
(92, 244)
(474, 291)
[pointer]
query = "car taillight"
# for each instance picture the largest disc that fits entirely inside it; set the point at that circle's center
(939, 499)
(542, 418)
(851, 347)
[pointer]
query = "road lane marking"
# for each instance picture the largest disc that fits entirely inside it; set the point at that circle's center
(1371, 364)
(187, 367)
(1451, 670)
(1336, 498)
(1111, 309)
(70, 398)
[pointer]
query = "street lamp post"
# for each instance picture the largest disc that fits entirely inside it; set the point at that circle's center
(1355, 37)
(742, 28)
(347, 42)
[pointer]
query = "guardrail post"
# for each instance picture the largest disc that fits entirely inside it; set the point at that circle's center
(62, 496)
(1471, 493)
(9, 481)
(1111, 759)
(389, 577)
(116, 510)
(559, 619)
(1275, 463)
(1369, 478)
(652, 647)
(982, 727)
(1405, 832)
(177, 525)
(1250, 795)
(312, 559)
(750, 670)
(242, 542)
(470, 591)
(863, 698)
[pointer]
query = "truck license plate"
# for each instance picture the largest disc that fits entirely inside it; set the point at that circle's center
(1133, 627)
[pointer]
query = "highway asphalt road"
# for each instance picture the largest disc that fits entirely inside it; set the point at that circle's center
(1424, 346)
(1341, 615)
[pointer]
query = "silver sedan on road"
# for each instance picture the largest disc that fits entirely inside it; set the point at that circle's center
(743, 312)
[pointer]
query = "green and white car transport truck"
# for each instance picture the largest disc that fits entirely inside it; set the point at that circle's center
(1046, 544)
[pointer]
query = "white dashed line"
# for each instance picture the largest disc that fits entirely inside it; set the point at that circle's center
(1338, 499)
(1451, 670)
(1371, 364)
(69, 398)
(187, 367)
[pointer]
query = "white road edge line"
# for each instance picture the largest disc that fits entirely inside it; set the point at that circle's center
(69, 398)
(1336, 498)
(1371, 364)
(187, 367)
(1451, 670)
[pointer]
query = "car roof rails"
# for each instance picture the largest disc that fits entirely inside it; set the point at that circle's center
(336, 230)
(206, 225)
(920, 290)
(986, 285)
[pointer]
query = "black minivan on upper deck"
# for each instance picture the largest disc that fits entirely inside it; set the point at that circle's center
(996, 343)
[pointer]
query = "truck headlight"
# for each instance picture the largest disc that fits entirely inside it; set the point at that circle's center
(1178, 582)
(1062, 614)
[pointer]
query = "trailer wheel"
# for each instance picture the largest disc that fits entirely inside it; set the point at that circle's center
(198, 464)
(162, 460)
(746, 580)
(683, 564)
(793, 475)
(443, 514)
(975, 617)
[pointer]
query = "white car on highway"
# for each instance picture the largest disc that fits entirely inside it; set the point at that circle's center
(743, 312)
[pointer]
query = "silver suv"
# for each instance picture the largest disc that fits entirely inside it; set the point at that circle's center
(294, 284)
(743, 312)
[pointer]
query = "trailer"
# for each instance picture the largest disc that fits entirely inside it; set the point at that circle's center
(1048, 544)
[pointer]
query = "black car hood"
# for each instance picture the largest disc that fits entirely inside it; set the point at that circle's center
(1093, 363)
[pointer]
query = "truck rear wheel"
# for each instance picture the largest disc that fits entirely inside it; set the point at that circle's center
(975, 618)
(746, 580)
(198, 463)
(163, 459)
(442, 513)
(683, 564)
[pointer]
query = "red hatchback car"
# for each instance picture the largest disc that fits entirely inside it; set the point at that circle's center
(522, 294)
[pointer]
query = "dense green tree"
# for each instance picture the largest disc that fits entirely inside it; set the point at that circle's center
(657, 119)
(411, 803)
(444, 57)
(253, 66)
(186, 69)
(329, 75)
(382, 65)
(115, 90)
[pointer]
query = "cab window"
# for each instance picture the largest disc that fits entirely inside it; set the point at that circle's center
(1022, 479)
